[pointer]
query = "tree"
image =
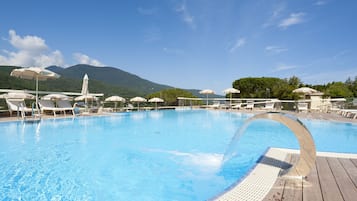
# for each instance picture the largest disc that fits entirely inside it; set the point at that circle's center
(352, 85)
(294, 82)
(338, 90)
(267, 87)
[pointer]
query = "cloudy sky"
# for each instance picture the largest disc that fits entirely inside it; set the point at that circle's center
(186, 43)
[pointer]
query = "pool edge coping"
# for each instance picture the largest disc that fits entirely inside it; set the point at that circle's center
(259, 181)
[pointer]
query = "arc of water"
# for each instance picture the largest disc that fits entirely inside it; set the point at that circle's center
(307, 146)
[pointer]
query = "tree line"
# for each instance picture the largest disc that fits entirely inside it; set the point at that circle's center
(270, 87)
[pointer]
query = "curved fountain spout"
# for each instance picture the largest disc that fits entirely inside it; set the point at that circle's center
(307, 146)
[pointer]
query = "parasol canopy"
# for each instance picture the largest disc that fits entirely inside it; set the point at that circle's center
(231, 91)
(18, 95)
(138, 100)
(305, 90)
(55, 97)
(156, 100)
(36, 73)
(115, 99)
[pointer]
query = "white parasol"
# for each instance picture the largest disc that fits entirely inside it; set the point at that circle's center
(231, 91)
(305, 90)
(206, 91)
(138, 100)
(115, 99)
(156, 100)
(18, 95)
(86, 97)
(56, 97)
(36, 73)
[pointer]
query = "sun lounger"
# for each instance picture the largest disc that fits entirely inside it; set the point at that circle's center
(48, 105)
(215, 105)
(129, 107)
(17, 105)
(65, 105)
(269, 106)
(237, 106)
(302, 107)
(349, 113)
(249, 106)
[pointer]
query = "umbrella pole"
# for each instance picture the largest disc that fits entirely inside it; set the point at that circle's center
(230, 99)
(37, 93)
(206, 99)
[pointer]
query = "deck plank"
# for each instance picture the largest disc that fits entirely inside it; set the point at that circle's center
(276, 192)
(354, 161)
(293, 187)
(344, 182)
(311, 186)
(329, 188)
(332, 179)
(350, 168)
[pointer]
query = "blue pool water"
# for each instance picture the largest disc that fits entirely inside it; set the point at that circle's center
(158, 155)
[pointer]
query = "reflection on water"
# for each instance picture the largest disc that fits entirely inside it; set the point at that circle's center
(38, 127)
(138, 115)
(156, 114)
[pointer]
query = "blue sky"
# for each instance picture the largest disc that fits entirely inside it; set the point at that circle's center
(187, 43)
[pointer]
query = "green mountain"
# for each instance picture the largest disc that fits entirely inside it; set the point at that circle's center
(107, 80)
(112, 76)
(64, 83)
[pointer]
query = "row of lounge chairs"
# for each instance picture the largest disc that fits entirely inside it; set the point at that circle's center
(248, 106)
(19, 106)
(62, 106)
(348, 113)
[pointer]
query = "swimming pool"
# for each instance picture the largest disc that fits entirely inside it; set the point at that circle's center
(158, 155)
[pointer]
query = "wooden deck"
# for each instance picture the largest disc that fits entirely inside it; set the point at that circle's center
(332, 179)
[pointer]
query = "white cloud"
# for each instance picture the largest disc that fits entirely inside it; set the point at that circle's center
(27, 43)
(239, 43)
(186, 16)
(84, 59)
(275, 15)
(293, 19)
(283, 67)
(30, 51)
(275, 49)
(54, 58)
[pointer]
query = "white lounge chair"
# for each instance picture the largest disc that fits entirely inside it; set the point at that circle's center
(302, 107)
(129, 107)
(215, 105)
(249, 106)
(269, 106)
(17, 105)
(237, 106)
(65, 105)
(48, 105)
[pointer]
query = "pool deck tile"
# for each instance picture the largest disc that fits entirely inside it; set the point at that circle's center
(259, 181)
